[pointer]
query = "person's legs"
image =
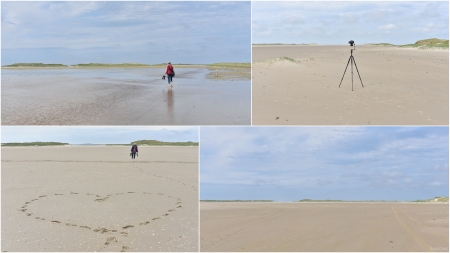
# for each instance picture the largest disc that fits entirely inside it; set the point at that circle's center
(169, 79)
(133, 155)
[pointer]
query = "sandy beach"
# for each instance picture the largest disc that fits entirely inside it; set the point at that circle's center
(323, 227)
(402, 86)
(123, 96)
(78, 198)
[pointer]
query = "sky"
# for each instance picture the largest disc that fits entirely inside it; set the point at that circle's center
(122, 32)
(97, 135)
(336, 23)
(340, 163)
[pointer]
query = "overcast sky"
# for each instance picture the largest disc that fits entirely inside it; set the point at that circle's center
(338, 22)
(117, 32)
(347, 163)
(97, 135)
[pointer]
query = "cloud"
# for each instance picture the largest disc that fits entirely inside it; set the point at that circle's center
(366, 22)
(377, 158)
(387, 27)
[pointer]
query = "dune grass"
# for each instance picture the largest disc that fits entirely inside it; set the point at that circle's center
(162, 143)
(429, 44)
(37, 143)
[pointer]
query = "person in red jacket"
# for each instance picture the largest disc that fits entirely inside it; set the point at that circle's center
(134, 150)
(170, 73)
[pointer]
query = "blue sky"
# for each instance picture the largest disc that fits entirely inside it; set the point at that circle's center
(348, 163)
(335, 23)
(97, 135)
(117, 32)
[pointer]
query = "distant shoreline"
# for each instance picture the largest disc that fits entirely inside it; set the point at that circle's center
(222, 65)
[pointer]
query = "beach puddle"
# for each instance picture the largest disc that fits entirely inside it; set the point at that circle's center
(122, 96)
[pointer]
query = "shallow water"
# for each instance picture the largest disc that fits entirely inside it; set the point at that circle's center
(122, 97)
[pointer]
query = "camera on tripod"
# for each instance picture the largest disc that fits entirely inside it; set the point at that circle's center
(351, 61)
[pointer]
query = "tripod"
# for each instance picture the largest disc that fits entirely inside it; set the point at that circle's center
(352, 59)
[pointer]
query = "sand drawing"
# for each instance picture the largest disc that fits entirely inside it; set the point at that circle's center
(127, 226)
(140, 206)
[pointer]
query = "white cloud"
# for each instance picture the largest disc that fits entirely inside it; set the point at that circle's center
(387, 27)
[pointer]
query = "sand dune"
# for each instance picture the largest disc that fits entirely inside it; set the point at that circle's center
(323, 227)
(97, 199)
(401, 86)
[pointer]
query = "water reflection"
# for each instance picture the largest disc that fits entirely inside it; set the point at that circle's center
(169, 101)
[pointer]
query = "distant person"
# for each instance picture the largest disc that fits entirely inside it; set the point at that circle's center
(170, 73)
(134, 150)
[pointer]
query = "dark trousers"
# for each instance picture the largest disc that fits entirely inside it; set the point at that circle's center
(133, 155)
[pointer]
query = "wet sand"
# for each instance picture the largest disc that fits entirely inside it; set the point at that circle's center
(97, 199)
(323, 227)
(127, 96)
(401, 86)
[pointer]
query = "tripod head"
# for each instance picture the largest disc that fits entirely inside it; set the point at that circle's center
(352, 44)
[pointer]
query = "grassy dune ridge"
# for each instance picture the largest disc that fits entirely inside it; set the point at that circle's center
(131, 65)
(139, 143)
(36, 143)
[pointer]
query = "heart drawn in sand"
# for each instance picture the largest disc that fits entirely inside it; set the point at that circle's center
(113, 213)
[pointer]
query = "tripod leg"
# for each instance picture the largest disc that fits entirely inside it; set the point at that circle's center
(352, 71)
(358, 72)
(344, 72)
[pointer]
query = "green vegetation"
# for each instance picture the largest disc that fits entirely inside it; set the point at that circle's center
(429, 44)
(435, 199)
(37, 143)
(381, 44)
(207, 200)
(35, 65)
(162, 143)
(231, 64)
(287, 59)
(119, 65)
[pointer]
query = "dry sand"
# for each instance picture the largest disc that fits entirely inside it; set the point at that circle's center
(97, 199)
(323, 227)
(401, 86)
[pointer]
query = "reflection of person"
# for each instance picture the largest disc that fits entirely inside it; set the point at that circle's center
(134, 150)
(170, 73)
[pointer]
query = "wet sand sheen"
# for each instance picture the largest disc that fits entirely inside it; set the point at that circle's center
(323, 227)
(97, 199)
(121, 97)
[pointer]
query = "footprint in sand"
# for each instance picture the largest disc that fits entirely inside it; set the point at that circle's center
(110, 240)
(128, 226)
(29, 214)
(144, 223)
(58, 194)
(42, 196)
(85, 227)
(56, 221)
(125, 248)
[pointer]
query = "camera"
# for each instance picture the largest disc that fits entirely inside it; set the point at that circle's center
(351, 43)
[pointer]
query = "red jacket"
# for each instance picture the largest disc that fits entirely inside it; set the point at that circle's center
(169, 69)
